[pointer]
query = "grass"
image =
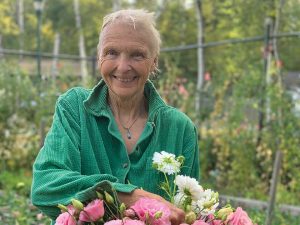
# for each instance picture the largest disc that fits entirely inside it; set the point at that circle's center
(15, 205)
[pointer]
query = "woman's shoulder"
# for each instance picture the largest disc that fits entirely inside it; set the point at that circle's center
(75, 94)
(172, 114)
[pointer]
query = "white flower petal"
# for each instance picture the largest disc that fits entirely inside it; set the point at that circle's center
(179, 199)
(207, 204)
(189, 186)
(166, 162)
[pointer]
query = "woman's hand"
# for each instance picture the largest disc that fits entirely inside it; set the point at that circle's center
(177, 215)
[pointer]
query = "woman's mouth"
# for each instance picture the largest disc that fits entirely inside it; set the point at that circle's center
(124, 80)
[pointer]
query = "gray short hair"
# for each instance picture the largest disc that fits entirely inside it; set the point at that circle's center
(136, 17)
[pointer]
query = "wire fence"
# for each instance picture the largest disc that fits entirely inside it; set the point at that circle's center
(70, 64)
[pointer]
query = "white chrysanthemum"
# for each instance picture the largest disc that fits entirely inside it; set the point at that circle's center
(189, 186)
(207, 204)
(166, 162)
(179, 199)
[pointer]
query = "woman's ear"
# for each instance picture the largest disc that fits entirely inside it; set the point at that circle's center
(155, 64)
(154, 68)
(156, 61)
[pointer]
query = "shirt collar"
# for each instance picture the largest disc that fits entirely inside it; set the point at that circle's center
(96, 102)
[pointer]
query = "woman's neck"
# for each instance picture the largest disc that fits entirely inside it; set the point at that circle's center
(127, 110)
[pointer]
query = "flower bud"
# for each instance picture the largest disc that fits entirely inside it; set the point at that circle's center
(224, 212)
(209, 204)
(129, 213)
(216, 196)
(109, 199)
(190, 217)
(180, 159)
(188, 208)
(155, 165)
(99, 195)
(122, 207)
(158, 215)
(77, 204)
(147, 216)
(62, 207)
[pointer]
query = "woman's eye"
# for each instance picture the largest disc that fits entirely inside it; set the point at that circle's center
(138, 55)
(111, 52)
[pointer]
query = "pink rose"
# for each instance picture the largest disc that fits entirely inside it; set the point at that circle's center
(200, 222)
(148, 209)
(93, 211)
(65, 219)
(239, 217)
(213, 221)
(125, 222)
(71, 210)
(216, 222)
(129, 213)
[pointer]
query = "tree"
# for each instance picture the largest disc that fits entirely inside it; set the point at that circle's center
(83, 62)
(7, 24)
(201, 66)
(21, 22)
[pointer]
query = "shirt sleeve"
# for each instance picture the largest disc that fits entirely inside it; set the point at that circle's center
(57, 174)
(191, 152)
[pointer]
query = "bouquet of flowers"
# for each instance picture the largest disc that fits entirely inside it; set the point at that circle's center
(201, 206)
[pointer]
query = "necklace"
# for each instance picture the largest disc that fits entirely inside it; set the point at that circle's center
(128, 128)
(128, 132)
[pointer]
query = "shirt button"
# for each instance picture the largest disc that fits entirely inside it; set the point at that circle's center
(125, 165)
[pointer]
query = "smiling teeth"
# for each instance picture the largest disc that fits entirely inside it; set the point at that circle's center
(124, 80)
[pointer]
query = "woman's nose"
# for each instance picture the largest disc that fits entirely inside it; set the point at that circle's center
(123, 63)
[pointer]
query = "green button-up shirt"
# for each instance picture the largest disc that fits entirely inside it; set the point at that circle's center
(84, 149)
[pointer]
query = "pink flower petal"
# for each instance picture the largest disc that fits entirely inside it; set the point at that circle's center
(93, 211)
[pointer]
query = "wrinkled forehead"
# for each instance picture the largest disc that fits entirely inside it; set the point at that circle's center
(127, 29)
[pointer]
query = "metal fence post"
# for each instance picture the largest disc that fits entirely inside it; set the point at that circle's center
(262, 101)
(272, 194)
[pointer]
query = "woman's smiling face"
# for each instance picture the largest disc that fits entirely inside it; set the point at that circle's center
(126, 59)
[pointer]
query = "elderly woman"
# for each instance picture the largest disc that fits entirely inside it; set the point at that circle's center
(106, 137)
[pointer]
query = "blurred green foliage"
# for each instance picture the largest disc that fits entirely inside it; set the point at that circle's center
(236, 156)
(15, 205)
(26, 111)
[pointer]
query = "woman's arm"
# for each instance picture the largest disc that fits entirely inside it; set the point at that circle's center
(57, 176)
(191, 152)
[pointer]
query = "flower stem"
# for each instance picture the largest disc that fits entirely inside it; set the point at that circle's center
(169, 193)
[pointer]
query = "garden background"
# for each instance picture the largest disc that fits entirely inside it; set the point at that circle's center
(233, 66)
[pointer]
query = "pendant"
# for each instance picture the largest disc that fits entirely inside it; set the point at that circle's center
(128, 133)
